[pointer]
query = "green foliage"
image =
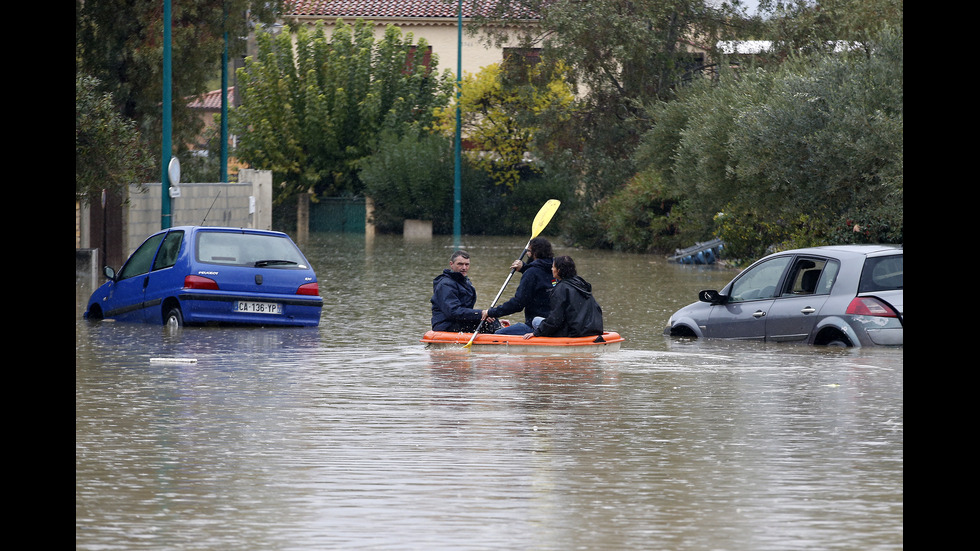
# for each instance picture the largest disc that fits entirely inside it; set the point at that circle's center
(639, 217)
(411, 177)
(109, 151)
(487, 209)
(828, 140)
(793, 151)
(313, 108)
(822, 26)
(790, 155)
(120, 42)
(501, 116)
(625, 55)
(750, 233)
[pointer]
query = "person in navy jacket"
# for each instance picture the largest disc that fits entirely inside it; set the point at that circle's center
(453, 298)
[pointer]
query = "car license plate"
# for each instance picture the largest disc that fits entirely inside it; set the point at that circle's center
(258, 307)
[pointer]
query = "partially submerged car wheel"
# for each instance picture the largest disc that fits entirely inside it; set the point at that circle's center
(174, 318)
(832, 338)
(94, 314)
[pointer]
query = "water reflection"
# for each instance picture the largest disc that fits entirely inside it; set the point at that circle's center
(352, 435)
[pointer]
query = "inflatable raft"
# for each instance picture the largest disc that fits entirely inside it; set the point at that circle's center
(607, 342)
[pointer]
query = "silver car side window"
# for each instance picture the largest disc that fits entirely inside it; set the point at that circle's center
(811, 276)
(828, 277)
(760, 281)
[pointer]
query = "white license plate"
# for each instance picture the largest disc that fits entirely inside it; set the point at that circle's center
(258, 307)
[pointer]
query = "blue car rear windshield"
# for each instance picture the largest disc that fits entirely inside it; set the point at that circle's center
(247, 249)
(882, 273)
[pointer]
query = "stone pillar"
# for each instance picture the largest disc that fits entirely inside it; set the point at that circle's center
(369, 229)
(302, 218)
(417, 229)
(261, 181)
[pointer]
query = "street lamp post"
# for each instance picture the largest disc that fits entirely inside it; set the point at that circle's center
(223, 176)
(457, 187)
(166, 218)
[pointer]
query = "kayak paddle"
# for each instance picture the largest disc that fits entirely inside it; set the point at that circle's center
(540, 222)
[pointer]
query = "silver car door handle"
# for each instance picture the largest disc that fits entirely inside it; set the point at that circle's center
(808, 310)
(758, 314)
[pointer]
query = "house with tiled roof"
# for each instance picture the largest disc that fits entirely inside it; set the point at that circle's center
(435, 20)
(208, 107)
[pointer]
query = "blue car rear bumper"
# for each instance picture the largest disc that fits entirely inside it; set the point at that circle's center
(218, 307)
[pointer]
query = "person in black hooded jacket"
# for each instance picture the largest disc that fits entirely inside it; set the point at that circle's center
(574, 311)
(533, 295)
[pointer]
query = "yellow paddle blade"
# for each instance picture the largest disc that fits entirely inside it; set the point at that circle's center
(544, 216)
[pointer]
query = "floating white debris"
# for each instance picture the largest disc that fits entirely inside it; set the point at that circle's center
(173, 360)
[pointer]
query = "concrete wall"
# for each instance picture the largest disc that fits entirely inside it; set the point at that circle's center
(246, 204)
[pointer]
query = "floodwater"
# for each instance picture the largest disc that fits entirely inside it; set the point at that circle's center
(353, 436)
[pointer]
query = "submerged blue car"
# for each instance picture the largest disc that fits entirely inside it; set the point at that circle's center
(208, 275)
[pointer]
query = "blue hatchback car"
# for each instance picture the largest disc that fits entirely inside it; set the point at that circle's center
(208, 275)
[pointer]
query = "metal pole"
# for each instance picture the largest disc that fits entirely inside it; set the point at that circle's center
(223, 176)
(457, 187)
(167, 149)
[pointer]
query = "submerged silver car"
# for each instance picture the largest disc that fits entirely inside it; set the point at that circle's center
(846, 295)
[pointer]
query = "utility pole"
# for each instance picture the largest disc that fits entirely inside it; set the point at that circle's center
(166, 218)
(457, 187)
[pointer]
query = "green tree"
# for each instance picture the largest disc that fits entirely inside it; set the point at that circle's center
(501, 118)
(824, 26)
(109, 152)
(314, 107)
(799, 154)
(623, 55)
(827, 147)
(120, 43)
(411, 177)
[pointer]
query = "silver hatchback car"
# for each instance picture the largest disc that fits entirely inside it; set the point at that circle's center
(846, 295)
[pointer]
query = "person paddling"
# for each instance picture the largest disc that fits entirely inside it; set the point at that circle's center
(533, 295)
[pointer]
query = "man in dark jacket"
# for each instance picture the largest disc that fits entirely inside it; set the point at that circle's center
(534, 292)
(574, 311)
(453, 298)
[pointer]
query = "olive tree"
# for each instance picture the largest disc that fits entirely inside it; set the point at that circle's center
(799, 154)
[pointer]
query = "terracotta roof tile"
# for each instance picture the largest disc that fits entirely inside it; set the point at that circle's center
(386, 8)
(211, 100)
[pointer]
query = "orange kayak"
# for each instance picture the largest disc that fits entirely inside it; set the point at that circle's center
(607, 342)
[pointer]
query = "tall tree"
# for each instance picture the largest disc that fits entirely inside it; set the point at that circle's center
(809, 26)
(314, 106)
(798, 154)
(109, 154)
(502, 113)
(624, 55)
(120, 42)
